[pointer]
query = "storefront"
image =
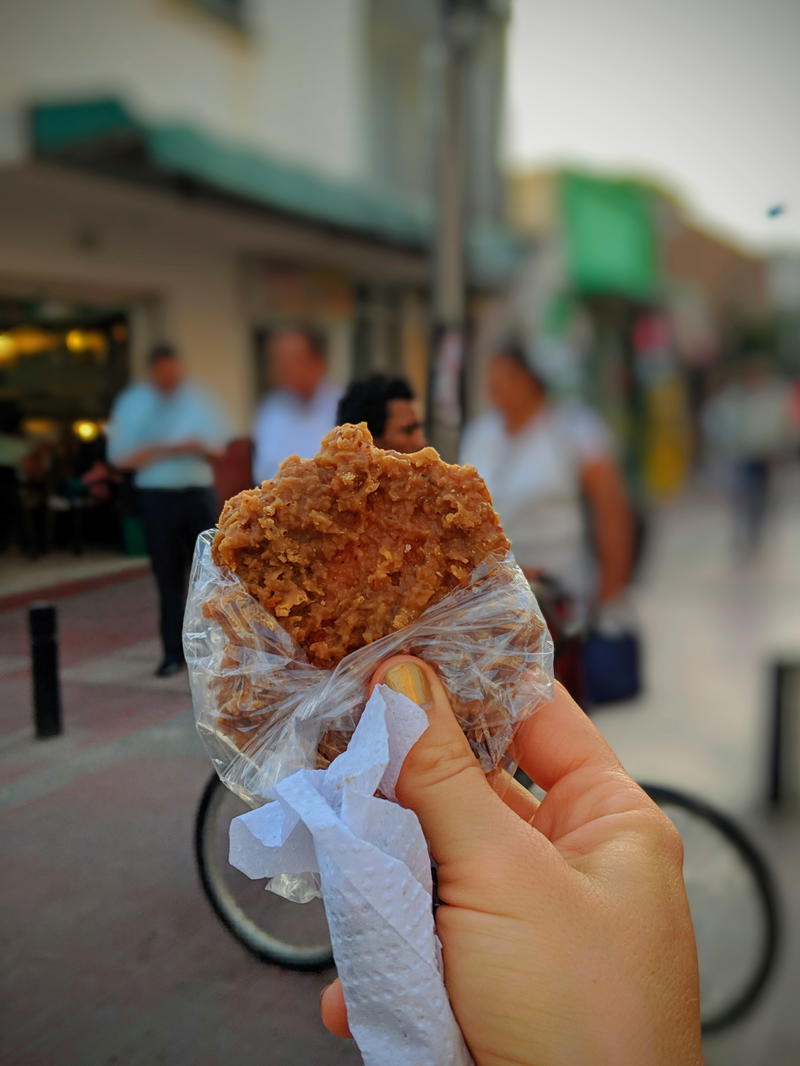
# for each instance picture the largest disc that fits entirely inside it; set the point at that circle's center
(117, 234)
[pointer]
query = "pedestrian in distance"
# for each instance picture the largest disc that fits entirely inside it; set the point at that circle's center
(301, 409)
(389, 407)
(749, 428)
(167, 430)
(550, 466)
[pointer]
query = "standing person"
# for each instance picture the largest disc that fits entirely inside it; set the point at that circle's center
(295, 417)
(166, 430)
(14, 451)
(550, 467)
(389, 408)
(749, 424)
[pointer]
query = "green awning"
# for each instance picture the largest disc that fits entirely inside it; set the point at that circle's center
(610, 237)
(104, 134)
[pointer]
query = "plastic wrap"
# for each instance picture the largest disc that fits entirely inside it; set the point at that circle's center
(263, 711)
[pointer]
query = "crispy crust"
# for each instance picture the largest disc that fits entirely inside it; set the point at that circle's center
(349, 546)
(344, 549)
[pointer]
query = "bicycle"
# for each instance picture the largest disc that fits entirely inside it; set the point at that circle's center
(293, 935)
(731, 894)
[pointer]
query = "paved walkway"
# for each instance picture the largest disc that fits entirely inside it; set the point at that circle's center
(61, 572)
(111, 954)
(713, 627)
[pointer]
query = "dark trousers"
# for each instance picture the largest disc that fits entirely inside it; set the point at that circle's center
(751, 501)
(172, 520)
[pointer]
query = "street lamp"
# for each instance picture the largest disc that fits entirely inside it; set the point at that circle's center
(461, 26)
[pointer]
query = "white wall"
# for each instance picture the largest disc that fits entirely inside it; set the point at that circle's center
(293, 83)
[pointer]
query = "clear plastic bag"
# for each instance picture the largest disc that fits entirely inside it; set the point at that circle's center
(263, 711)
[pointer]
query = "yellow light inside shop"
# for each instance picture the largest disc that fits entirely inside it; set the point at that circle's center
(87, 431)
(74, 340)
(31, 340)
(8, 348)
(85, 340)
(40, 427)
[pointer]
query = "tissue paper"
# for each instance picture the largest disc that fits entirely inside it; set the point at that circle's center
(375, 874)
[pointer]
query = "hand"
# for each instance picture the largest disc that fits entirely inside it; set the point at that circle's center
(565, 928)
(186, 447)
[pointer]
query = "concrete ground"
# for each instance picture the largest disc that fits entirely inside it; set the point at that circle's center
(713, 626)
(21, 577)
(111, 953)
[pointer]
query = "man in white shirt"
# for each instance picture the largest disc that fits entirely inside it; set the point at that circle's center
(295, 417)
(541, 461)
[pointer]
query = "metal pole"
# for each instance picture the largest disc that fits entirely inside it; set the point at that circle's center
(44, 670)
(448, 318)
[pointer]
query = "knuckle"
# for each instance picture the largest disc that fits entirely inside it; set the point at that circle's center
(673, 843)
(666, 841)
(435, 763)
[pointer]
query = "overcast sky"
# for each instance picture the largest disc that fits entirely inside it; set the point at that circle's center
(703, 95)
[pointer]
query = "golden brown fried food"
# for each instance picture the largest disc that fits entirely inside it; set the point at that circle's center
(356, 543)
(352, 546)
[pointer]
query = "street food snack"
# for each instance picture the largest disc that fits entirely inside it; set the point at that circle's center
(354, 544)
(338, 562)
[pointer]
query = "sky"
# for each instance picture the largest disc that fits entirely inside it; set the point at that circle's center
(701, 95)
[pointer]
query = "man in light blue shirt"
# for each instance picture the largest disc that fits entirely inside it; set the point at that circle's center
(167, 430)
(302, 409)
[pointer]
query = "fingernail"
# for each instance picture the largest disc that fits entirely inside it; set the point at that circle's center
(409, 680)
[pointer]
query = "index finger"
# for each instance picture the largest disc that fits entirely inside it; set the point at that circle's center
(558, 739)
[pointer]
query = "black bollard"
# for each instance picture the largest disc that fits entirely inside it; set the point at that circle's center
(44, 670)
(784, 738)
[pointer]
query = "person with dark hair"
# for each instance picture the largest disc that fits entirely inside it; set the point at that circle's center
(546, 465)
(301, 409)
(388, 406)
(167, 430)
(15, 449)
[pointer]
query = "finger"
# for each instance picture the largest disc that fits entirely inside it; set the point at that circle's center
(441, 781)
(515, 796)
(558, 739)
(333, 1010)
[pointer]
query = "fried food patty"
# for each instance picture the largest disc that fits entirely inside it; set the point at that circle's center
(356, 543)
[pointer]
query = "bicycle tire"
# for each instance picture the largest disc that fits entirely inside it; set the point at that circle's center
(766, 894)
(250, 932)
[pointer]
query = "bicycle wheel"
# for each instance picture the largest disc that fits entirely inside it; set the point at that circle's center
(274, 929)
(734, 907)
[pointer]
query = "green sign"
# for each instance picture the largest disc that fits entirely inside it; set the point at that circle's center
(610, 239)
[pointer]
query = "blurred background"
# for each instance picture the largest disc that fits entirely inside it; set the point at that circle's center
(616, 186)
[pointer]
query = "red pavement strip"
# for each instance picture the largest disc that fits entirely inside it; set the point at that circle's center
(63, 589)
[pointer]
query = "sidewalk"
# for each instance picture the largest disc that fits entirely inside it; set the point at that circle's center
(712, 629)
(112, 955)
(59, 574)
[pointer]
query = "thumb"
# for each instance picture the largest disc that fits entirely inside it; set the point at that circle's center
(462, 818)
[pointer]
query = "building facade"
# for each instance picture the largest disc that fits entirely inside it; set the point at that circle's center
(204, 170)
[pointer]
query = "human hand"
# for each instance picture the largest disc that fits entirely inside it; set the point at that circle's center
(186, 447)
(565, 928)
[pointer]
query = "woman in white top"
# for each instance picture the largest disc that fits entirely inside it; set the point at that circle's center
(550, 467)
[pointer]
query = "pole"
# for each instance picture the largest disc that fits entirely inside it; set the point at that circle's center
(44, 670)
(783, 753)
(458, 21)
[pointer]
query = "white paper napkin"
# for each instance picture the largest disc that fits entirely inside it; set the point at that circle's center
(376, 885)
